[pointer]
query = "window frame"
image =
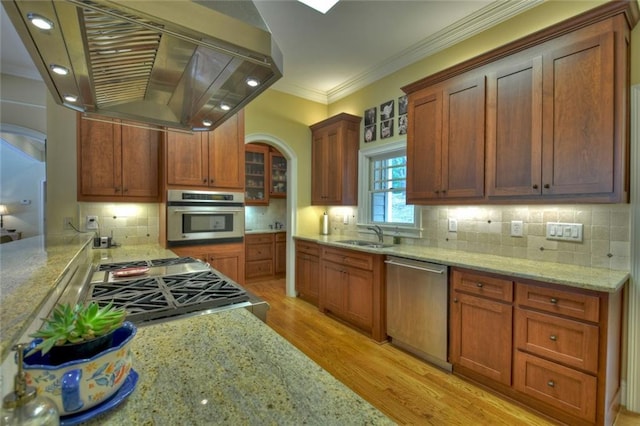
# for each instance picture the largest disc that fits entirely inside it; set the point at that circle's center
(365, 156)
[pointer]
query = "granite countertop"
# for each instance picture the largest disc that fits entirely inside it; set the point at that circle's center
(599, 279)
(231, 368)
(263, 231)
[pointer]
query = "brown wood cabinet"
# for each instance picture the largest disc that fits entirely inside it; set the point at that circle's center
(208, 159)
(263, 253)
(556, 118)
(256, 175)
(352, 289)
(226, 258)
(334, 160)
(278, 176)
(307, 277)
(445, 144)
(117, 161)
(481, 324)
(561, 343)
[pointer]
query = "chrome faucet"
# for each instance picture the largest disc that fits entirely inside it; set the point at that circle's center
(378, 231)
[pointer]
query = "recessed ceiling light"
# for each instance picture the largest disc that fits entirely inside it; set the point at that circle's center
(321, 6)
(207, 123)
(225, 107)
(59, 69)
(70, 98)
(40, 21)
(253, 82)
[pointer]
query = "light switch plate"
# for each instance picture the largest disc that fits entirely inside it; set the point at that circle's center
(453, 225)
(92, 222)
(517, 228)
(564, 231)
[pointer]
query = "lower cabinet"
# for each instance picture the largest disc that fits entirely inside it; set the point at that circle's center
(352, 289)
(265, 255)
(226, 258)
(307, 276)
(562, 344)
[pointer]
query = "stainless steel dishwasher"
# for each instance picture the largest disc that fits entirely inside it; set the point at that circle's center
(417, 308)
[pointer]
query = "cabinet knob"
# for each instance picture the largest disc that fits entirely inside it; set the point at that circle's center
(204, 180)
(553, 300)
(551, 384)
(455, 300)
(437, 191)
(125, 190)
(479, 285)
(535, 186)
(547, 186)
(444, 191)
(116, 189)
(553, 337)
(212, 180)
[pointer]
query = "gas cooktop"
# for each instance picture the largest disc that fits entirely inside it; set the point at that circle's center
(166, 288)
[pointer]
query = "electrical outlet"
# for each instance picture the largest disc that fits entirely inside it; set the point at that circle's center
(453, 225)
(68, 223)
(92, 222)
(517, 228)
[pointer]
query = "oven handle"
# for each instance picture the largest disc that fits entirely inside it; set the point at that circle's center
(206, 211)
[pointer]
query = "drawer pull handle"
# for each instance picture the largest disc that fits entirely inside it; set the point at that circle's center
(479, 285)
(553, 300)
(553, 337)
(551, 384)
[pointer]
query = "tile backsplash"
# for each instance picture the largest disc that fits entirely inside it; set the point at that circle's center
(262, 217)
(487, 229)
(129, 224)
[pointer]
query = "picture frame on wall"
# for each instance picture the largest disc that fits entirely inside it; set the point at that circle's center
(386, 129)
(402, 115)
(370, 127)
(386, 119)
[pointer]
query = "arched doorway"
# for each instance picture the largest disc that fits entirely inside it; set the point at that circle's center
(292, 202)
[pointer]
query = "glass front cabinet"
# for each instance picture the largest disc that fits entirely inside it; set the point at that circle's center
(278, 187)
(256, 177)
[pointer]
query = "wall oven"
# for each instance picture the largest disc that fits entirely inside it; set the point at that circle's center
(204, 217)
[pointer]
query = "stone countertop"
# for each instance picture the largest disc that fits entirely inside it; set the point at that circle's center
(264, 231)
(598, 279)
(231, 368)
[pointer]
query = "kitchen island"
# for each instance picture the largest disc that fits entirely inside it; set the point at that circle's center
(230, 368)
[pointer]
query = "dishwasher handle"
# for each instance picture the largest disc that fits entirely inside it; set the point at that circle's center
(420, 268)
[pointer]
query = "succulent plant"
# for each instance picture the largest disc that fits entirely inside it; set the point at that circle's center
(75, 324)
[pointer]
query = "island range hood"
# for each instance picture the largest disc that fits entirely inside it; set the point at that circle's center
(175, 63)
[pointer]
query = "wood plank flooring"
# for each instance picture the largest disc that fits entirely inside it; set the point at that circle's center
(406, 389)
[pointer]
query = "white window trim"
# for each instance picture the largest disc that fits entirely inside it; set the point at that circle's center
(364, 205)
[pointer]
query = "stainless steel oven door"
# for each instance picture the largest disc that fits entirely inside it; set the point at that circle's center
(201, 224)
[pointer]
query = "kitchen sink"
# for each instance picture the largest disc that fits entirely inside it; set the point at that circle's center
(364, 243)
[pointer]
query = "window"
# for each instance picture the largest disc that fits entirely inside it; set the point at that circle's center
(383, 193)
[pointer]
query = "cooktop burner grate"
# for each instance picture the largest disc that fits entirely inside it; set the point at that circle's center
(148, 299)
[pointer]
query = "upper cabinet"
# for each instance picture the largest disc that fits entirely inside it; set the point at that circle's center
(556, 115)
(208, 159)
(334, 161)
(256, 166)
(278, 177)
(445, 147)
(117, 161)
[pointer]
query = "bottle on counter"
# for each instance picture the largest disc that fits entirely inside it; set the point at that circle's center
(24, 406)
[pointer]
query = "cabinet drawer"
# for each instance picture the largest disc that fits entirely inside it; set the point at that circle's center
(307, 247)
(571, 342)
(576, 305)
(281, 237)
(258, 238)
(259, 268)
(562, 387)
(259, 251)
(349, 258)
(483, 285)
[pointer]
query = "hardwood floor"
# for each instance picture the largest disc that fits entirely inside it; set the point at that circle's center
(406, 389)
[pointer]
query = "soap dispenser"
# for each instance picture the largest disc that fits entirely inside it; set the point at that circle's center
(23, 406)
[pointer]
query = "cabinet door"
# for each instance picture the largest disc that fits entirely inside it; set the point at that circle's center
(226, 154)
(579, 142)
(326, 172)
(230, 261)
(278, 178)
(463, 138)
(359, 303)
(424, 145)
(187, 159)
(307, 277)
(100, 158)
(140, 162)
(256, 175)
(481, 336)
(514, 129)
(333, 289)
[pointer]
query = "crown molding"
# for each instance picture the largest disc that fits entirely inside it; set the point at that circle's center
(483, 19)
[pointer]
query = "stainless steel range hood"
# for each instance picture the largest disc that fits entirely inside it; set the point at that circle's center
(174, 63)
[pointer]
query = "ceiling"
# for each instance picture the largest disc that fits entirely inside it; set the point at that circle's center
(327, 57)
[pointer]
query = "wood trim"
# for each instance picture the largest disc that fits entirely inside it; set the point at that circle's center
(629, 8)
